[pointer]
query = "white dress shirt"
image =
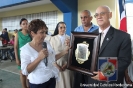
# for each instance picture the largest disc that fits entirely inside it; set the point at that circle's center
(41, 73)
(104, 32)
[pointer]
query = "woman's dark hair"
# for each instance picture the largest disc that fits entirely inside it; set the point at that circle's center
(36, 25)
(56, 31)
(23, 20)
(16, 30)
(20, 30)
(5, 29)
(46, 30)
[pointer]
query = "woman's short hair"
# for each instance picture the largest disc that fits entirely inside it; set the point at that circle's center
(36, 25)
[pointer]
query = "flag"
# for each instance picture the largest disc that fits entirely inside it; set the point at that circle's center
(123, 19)
(107, 67)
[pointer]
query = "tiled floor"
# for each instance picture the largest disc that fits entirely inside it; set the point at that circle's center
(9, 74)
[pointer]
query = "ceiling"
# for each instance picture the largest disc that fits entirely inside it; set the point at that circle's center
(26, 5)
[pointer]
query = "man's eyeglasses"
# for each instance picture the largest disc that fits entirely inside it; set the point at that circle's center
(100, 14)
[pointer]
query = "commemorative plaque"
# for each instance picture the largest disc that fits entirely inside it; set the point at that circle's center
(84, 52)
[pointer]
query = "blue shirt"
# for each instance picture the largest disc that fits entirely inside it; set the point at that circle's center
(91, 29)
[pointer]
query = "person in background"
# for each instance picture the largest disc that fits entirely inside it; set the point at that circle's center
(58, 42)
(15, 32)
(0, 41)
(3, 43)
(128, 80)
(41, 73)
(116, 43)
(1, 53)
(11, 42)
(48, 37)
(11, 51)
(48, 32)
(87, 26)
(21, 38)
(129, 73)
(5, 36)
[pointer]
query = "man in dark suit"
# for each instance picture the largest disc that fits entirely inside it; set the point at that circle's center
(115, 43)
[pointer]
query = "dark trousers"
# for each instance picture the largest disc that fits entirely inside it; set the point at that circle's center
(80, 79)
(49, 84)
(11, 53)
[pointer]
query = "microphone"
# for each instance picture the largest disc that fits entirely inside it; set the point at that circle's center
(45, 46)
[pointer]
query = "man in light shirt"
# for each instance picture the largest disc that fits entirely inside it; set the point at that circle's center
(87, 25)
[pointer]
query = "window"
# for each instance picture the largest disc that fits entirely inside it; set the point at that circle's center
(12, 23)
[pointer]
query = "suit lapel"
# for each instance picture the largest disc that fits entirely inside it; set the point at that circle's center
(107, 39)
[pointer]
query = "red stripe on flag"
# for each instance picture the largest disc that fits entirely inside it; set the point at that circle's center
(123, 20)
(123, 24)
